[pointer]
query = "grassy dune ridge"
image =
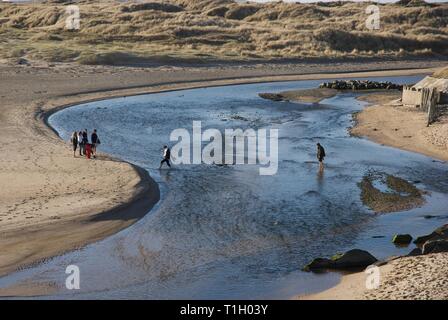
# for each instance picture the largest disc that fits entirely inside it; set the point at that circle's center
(219, 30)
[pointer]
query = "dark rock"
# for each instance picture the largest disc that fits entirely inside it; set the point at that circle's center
(318, 264)
(355, 258)
(438, 234)
(402, 239)
(351, 259)
(421, 240)
(415, 252)
(435, 246)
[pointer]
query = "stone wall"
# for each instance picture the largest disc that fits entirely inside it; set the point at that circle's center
(411, 96)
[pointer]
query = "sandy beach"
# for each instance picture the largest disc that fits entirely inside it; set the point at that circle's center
(387, 122)
(53, 202)
(407, 278)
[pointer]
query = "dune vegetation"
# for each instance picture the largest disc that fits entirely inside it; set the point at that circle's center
(442, 73)
(154, 32)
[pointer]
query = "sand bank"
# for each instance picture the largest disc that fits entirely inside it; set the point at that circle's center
(52, 202)
(391, 124)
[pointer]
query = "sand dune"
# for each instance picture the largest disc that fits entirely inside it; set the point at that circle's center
(200, 31)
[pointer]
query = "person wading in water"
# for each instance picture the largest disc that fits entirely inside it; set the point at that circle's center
(320, 156)
(166, 156)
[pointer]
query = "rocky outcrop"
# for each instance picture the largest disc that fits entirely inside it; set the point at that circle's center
(435, 242)
(438, 234)
(360, 85)
(352, 259)
(415, 252)
(435, 246)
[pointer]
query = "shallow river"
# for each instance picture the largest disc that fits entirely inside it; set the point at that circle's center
(226, 231)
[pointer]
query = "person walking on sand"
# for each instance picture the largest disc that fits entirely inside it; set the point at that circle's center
(74, 141)
(166, 156)
(95, 141)
(320, 156)
(81, 143)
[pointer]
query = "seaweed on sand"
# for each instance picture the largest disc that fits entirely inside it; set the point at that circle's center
(385, 193)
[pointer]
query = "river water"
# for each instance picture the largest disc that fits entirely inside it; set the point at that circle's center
(226, 231)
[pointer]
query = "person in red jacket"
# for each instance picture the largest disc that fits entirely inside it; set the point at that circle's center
(88, 150)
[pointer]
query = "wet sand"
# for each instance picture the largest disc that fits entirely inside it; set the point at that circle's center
(305, 95)
(52, 202)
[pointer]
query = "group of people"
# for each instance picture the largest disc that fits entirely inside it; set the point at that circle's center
(81, 140)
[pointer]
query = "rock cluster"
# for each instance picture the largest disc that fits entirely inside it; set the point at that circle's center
(435, 242)
(361, 85)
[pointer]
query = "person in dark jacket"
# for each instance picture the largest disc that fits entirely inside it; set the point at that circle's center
(74, 141)
(85, 137)
(166, 157)
(320, 156)
(95, 142)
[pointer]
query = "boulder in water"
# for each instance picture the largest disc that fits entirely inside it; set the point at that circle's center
(355, 258)
(318, 264)
(402, 239)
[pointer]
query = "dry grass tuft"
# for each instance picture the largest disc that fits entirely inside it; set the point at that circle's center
(443, 73)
